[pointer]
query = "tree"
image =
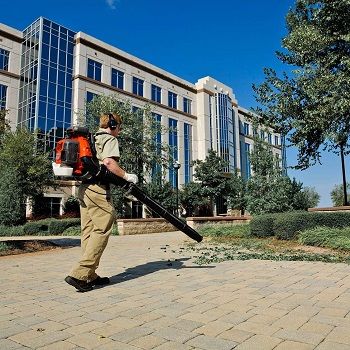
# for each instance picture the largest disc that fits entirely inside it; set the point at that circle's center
(313, 105)
(312, 197)
(268, 190)
(337, 195)
(24, 173)
(193, 200)
(140, 152)
(211, 174)
(236, 193)
(162, 192)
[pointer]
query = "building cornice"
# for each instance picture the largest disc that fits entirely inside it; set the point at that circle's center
(143, 99)
(133, 63)
(9, 74)
(10, 36)
(206, 91)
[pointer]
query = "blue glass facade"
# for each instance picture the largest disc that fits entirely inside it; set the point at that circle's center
(224, 122)
(45, 96)
(4, 59)
(157, 169)
(187, 152)
(3, 93)
(173, 144)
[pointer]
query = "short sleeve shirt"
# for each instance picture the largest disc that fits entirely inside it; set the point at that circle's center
(106, 146)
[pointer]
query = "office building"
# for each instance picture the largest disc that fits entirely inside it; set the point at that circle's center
(48, 72)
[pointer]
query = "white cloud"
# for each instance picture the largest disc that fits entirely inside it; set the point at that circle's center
(112, 3)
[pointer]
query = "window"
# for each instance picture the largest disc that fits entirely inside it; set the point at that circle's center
(173, 149)
(262, 135)
(172, 99)
(156, 167)
(187, 152)
(94, 70)
(277, 142)
(269, 138)
(117, 79)
(4, 59)
(187, 105)
(137, 86)
(156, 93)
(90, 96)
(3, 91)
(247, 160)
(246, 129)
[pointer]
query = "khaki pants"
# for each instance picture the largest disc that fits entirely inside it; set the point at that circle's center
(97, 217)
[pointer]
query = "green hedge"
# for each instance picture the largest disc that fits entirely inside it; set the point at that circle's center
(57, 227)
(288, 225)
(262, 225)
(11, 231)
(35, 227)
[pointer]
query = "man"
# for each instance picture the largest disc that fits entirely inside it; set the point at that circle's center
(96, 210)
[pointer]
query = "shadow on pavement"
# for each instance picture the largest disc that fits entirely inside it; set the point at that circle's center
(150, 267)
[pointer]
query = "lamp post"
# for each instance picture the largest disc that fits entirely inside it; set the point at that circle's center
(345, 194)
(176, 167)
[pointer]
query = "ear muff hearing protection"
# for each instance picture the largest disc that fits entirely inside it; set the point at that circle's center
(112, 123)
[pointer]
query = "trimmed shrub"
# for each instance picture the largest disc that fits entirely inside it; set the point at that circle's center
(288, 225)
(72, 231)
(11, 231)
(36, 227)
(262, 225)
(337, 238)
(57, 227)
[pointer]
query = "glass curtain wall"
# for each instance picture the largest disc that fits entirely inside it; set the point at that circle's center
(45, 98)
(187, 152)
(173, 144)
(224, 132)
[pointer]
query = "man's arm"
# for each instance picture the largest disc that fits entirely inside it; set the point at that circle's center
(113, 166)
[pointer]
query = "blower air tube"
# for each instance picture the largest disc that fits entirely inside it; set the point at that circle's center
(102, 173)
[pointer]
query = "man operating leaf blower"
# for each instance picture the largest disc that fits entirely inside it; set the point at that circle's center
(97, 213)
(93, 160)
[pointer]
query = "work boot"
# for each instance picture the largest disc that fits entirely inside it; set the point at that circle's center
(99, 281)
(81, 286)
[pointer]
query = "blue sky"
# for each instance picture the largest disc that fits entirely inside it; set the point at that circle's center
(230, 40)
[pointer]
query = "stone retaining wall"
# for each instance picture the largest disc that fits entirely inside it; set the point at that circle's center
(330, 209)
(140, 226)
(196, 222)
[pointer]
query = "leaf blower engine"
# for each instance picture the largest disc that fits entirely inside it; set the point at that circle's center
(75, 155)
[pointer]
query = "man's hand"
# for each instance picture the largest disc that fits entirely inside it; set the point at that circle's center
(131, 178)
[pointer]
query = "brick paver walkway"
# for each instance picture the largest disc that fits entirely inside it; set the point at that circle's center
(157, 302)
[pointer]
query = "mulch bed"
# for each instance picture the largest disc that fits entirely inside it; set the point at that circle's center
(23, 246)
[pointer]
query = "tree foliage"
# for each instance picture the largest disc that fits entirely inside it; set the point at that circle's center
(24, 173)
(337, 195)
(140, 152)
(268, 190)
(312, 103)
(312, 196)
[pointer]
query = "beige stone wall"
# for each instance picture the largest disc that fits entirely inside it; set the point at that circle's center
(140, 226)
(196, 222)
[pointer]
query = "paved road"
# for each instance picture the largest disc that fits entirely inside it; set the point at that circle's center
(153, 303)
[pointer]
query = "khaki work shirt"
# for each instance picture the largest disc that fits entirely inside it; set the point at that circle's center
(107, 146)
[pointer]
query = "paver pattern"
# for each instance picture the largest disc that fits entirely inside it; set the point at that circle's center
(159, 299)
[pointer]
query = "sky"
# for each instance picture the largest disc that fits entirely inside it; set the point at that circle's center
(229, 40)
